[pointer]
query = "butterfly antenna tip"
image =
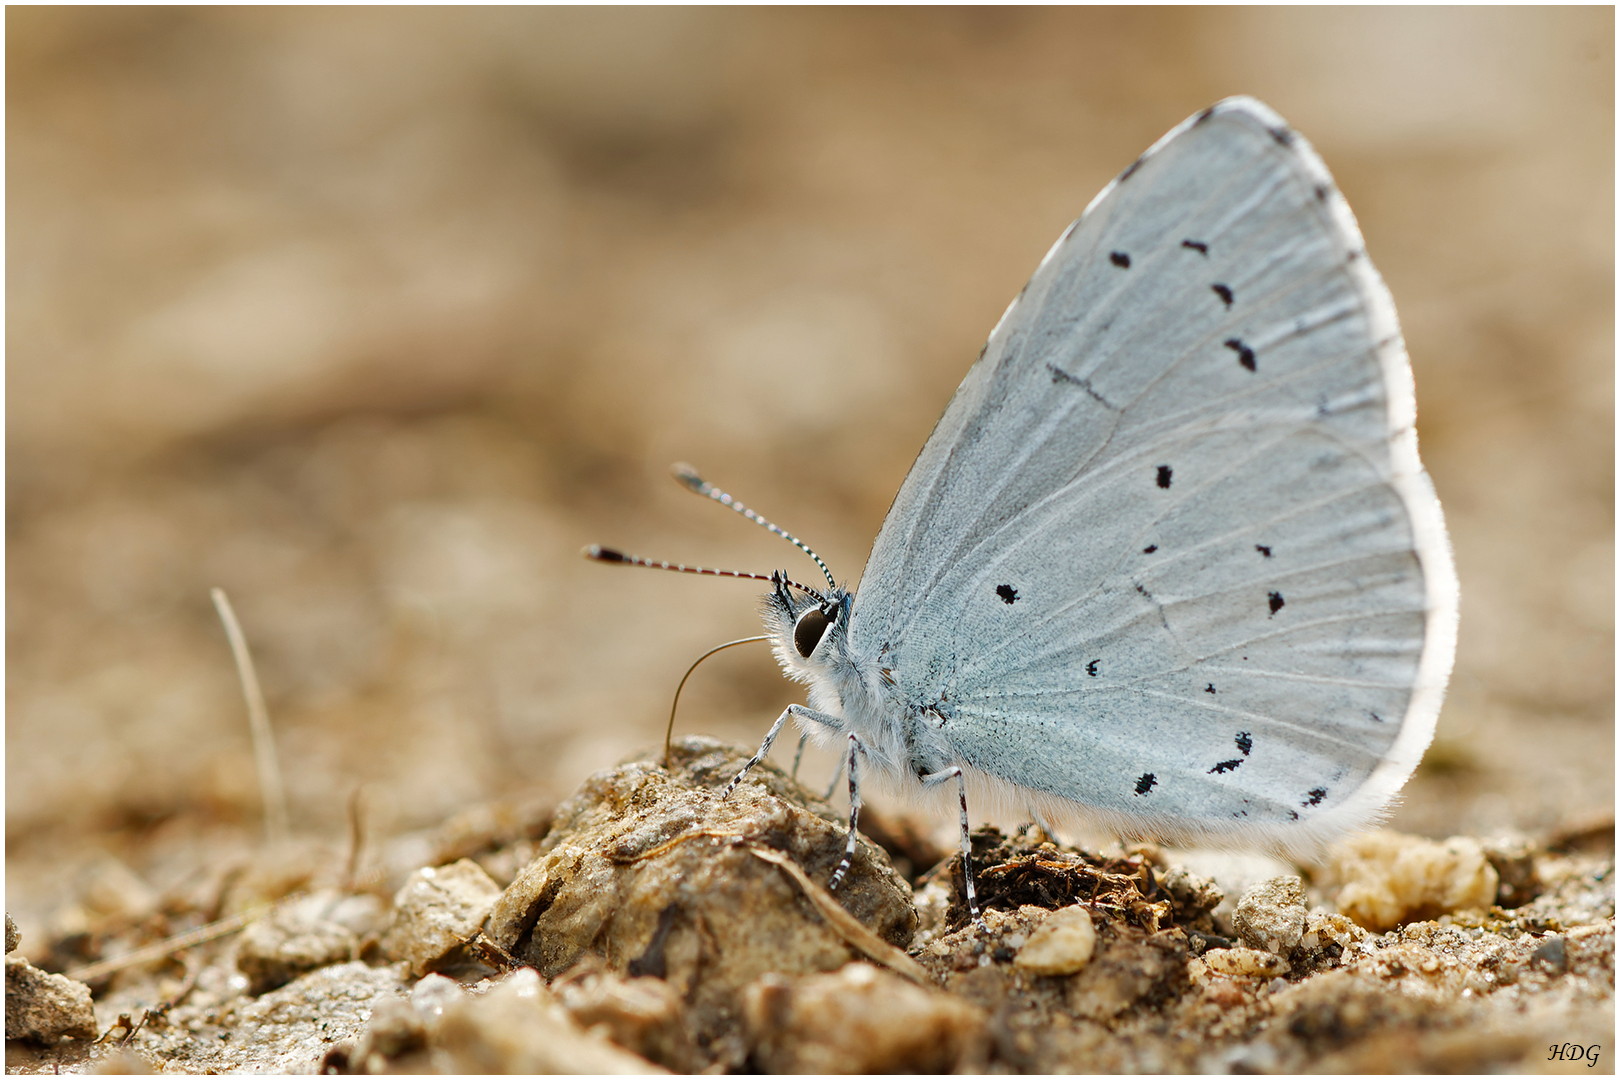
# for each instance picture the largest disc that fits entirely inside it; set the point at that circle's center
(689, 478)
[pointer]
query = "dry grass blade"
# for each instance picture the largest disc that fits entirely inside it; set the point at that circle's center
(264, 746)
(848, 927)
(90, 973)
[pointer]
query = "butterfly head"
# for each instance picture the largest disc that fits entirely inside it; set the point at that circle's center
(807, 627)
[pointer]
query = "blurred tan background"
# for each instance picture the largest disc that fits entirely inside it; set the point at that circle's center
(375, 316)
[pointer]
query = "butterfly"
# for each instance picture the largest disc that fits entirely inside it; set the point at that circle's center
(1169, 564)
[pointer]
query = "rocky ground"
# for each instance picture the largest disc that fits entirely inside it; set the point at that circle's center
(643, 926)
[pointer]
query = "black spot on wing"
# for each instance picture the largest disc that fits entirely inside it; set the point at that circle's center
(1264, 549)
(1120, 259)
(1223, 292)
(1163, 479)
(1210, 689)
(1091, 668)
(1007, 593)
(1197, 245)
(1314, 796)
(1275, 600)
(1244, 353)
(1131, 168)
(1205, 115)
(1376, 718)
(1322, 192)
(1150, 549)
(1145, 782)
(1284, 136)
(1245, 742)
(1226, 766)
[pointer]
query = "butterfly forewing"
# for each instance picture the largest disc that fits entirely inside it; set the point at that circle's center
(1159, 556)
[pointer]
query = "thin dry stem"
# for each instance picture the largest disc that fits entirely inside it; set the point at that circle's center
(264, 745)
(846, 925)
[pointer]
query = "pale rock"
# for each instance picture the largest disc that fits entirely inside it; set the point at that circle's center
(1384, 879)
(298, 937)
(518, 1027)
(1252, 962)
(44, 1007)
(1271, 915)
(1062, 945)
(437, 911)
(860, 1019)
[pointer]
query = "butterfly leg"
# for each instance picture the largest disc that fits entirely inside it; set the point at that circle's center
(797, 711)
(967, 845)
(798, 755)
(832, 785)
(854, 815)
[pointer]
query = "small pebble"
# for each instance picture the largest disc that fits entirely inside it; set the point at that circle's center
(433, 993)
(1240, 961)
(436, 910)
(1383, 879)
(1551, 954)
(1271, 916)
(44, 1006)
(859, 1019)
(1062, 945)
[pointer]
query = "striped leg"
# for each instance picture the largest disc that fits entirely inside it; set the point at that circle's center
(832, 785)
(798, 712)
(798, 755)
(854, 815)
(967, 846)
(759, 755)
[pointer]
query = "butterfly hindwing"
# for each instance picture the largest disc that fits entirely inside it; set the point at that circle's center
(1165, 555)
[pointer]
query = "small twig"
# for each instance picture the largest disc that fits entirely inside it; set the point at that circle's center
(162, 949)
(847, 926)
(123, 1021)
(219, 928)
(194, 969)
(264, 746)
(653, 852)
(357, 834)
(493, 955)
(158, 1011)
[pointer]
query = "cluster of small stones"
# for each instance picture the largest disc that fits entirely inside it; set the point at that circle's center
(654, 928)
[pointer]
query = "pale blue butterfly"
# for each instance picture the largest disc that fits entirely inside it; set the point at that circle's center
(1169, 564)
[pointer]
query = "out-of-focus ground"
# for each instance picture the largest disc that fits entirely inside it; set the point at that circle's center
(373, 317)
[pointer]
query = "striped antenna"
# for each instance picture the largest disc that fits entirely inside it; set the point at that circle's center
(599, 553)
(693, 482)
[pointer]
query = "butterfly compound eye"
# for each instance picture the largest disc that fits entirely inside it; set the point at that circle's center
(808, 630)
